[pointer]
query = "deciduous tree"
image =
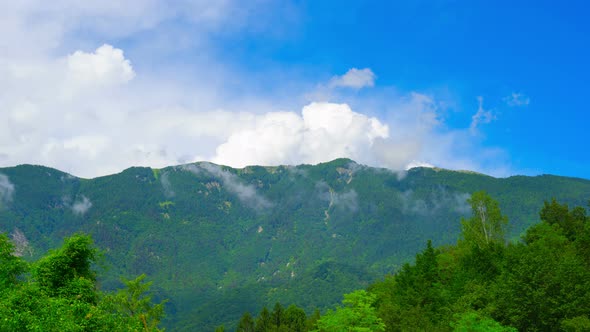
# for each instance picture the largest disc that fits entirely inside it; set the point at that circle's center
(358, 314)
(487, 224)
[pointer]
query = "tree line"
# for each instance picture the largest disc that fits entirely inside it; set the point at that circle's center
(59, 292)
(481, 283)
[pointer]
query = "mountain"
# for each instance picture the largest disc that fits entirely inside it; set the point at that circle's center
(219, 241)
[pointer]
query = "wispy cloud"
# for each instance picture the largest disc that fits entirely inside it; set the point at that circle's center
(71, 95)
(355, 79)
(84, 90)
(433, 202)
(417, 163)
(6, 189)
(166, 185)
(347, 199)
(482, 116)
(516, 99)
(80, 207)
(246, 193)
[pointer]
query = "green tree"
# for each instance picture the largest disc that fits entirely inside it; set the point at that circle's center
(487, 224)
(134, 301)
(543, 282)
(295, 318)
(419, 292)
(61, 295)
(358, 314)
(278, 313)
(312, 321)
(571, 222)
(583, 243)
(264, 321)
(246, 323)
(576, 324)
(73, 261)
(475, 322)
(11, 266)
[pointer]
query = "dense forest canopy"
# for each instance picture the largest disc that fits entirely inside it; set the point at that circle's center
(481, 283)
(484, 282)
(218, 241)
(59, 292)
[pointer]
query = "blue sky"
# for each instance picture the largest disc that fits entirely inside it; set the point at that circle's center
(496, 87)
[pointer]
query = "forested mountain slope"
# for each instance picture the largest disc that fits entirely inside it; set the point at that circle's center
(482, 283)
(218, 241)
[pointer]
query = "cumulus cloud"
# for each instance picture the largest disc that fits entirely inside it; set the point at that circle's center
(98, 131)
(482, 116)
(6, 189)
(246, 193)
(355, 79)
(517, 99)
(80, 91)
(323, 131)
(107, 65)
(413, 121)
(80, 207)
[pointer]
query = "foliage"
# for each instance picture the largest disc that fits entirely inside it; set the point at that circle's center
(541, 283)
(219, 241)
(61, 293)
(134, 301)
(11, 266)
(358, 314)
(264, 321)
(576, 324)
(487, 224)
(295, 319)
(70, 264)
(472, 321)
(570, 222)
(246, 323)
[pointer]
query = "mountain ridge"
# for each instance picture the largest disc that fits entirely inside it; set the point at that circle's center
(219, 241)
(435, 168)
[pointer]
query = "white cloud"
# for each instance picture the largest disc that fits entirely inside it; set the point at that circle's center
(354, 78)
(105, 66)
(246, 193)
(347, 199)
(90, 110)
(417, 163)
(166, 185)
(102, 130)
(323, 131)
(432, 202)
(6, 189)
(482, 116)
(82, 206)
(517, 99)
(40, 26)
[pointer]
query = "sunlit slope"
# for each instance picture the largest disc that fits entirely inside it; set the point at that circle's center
(219, 241)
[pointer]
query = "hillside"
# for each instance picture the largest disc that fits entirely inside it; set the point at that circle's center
(219, 241)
